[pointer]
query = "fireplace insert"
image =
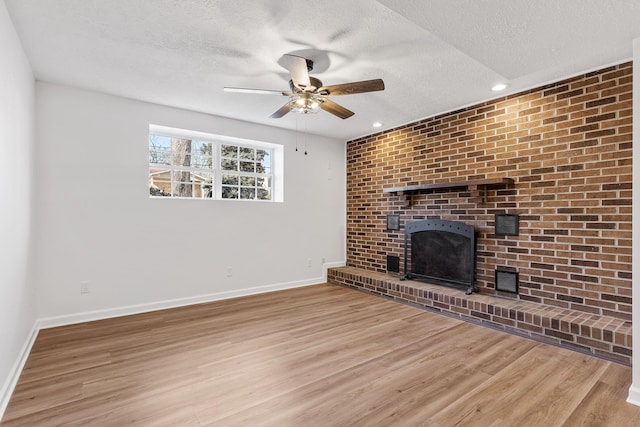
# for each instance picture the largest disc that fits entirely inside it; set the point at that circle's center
(441, 252)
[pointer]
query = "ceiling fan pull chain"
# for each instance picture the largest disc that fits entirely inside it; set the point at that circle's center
(305, 135)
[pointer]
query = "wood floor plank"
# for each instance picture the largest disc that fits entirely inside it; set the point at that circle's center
(605, 403)
(359, 390)
(316, 361)
(541, 388)
(315, 356)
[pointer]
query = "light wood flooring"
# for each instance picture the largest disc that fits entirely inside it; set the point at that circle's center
(315, 356)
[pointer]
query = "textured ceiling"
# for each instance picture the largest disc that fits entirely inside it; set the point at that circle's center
(434, 56)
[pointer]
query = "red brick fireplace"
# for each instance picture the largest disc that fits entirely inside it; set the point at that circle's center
(565, 152)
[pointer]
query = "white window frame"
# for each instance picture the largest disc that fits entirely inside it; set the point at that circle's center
(276, 156)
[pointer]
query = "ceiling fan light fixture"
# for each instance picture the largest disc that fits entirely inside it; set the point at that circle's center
(305, 103)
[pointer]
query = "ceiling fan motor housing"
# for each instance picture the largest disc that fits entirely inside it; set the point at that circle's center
(315, 84)
(309, 64)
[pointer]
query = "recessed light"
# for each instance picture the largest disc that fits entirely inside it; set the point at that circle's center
(498, 87)
(377, 125)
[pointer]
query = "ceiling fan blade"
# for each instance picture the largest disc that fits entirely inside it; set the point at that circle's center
(335, 109)
(260, 91)
(281, 112)
(298, 70)
(352, 88)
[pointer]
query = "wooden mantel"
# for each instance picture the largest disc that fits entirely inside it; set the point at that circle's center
(477, 186)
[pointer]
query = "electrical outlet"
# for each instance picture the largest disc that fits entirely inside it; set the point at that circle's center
(84, 287)
(309, 262)
(323, 261)
(229, 271)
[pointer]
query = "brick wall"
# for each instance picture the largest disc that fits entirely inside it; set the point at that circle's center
(567, 146)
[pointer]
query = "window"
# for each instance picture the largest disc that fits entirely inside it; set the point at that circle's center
(246, 172)
(186, 164)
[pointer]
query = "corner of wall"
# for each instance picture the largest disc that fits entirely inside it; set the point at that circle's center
(634, 396)
(17, 139)
(327, 265)
(14, 374)
(634, 391)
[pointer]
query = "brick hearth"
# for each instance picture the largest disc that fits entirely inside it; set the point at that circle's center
(603, 336)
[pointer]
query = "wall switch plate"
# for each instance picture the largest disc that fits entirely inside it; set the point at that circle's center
(84, 287)
(229, 271)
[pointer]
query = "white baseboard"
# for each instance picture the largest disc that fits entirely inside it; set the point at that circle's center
(12, 379)
(88, 316)
(634, 395)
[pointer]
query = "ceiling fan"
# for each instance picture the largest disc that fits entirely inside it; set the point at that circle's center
(308, 95)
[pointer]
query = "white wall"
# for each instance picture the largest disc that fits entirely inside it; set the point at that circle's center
(98, 224)
(17, 305)
(634, 391)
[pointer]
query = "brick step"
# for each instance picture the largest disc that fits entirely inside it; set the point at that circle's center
(602, 336)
